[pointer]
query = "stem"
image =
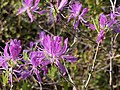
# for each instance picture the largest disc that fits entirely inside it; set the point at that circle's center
(11, 78)
(112, 52)
(92, 69)
(111, 63)
(40, 86)
(74, 87)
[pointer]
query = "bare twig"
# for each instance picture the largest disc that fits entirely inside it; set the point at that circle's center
(70, 78)
(92, 69)
(40, 85)
(112, 50)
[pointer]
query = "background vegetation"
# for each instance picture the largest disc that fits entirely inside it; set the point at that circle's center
(12, 26)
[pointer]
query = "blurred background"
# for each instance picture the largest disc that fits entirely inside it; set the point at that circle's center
(20, 27)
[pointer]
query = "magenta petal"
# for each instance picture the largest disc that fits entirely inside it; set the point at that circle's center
(62, 68)
(31, 44)
(75, 9)
(42, 35)
(100, 36)
(102, 21)
(30, 15)
(36, 3)
(84, 12)
(91, 26)
(25, 74)
(45, 63)
(58, 3)
(6, 51)
(36, 58)
(44, 66)
(116, 28)
(63, 50)
(51, 20)
(47, 43)
(35, 7)
(45, 70)
(28, 2)
(76, 24)
(56, 44)
(69, 58)
(21, 10)
(42, 11)
(15, 48)
(62, 4)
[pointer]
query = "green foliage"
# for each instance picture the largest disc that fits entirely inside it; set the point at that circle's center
(52, 73)
(12, 26)
(5, 78)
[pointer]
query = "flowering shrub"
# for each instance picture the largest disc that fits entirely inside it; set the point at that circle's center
(74, 44)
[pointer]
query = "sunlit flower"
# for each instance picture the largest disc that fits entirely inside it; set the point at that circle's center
(78, 15)
(29, 7)
(102, 25)
(11, 54)
(55, 52)
(56, 9)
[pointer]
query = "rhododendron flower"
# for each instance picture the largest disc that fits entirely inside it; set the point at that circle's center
(36, 60)
(11, 52)
(113, 20)
(100, 36)
(54, 51)
(30, 8)
(56, 10)
(78, 15)
(102, 25)
(14, 49)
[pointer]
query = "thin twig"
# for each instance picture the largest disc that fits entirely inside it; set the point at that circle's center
(92, 69)
(11, 72)
(111, 64)
(112, 50)
(40, 85)
(70, 77)
(66, 79)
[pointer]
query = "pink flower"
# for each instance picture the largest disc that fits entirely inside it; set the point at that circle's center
(29, 8)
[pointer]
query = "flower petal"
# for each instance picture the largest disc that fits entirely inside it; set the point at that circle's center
(100, 36)
(25, 74)
(102, 21)
(6, 54)
(69, 58)
(21, 10)
(30, 15)
(15, 48)
(84, 12)
(62, 68)
(63, 50)
(62, 4)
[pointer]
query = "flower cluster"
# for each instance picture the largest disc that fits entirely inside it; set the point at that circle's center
(55, 11)
(108, 21)
(8, 61)
(78, 15)
(49, 51)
